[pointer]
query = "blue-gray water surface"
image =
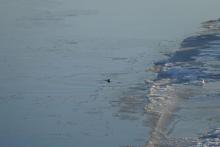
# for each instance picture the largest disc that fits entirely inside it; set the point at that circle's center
(56, 55)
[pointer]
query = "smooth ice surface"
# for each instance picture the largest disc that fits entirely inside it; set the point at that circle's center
(55, 56)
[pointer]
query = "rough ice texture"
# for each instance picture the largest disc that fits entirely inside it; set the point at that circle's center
(194, 64)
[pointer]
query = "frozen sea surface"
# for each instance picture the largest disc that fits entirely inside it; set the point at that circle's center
(184, 96)
(56, 55)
